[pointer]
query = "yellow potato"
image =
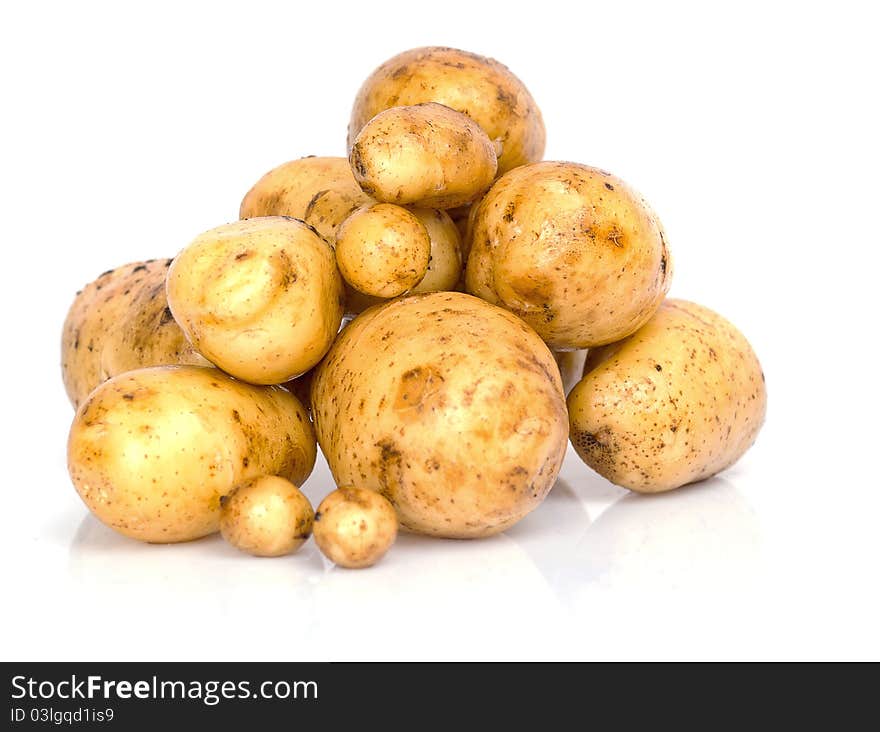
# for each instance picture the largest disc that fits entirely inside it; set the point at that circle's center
(570, 249)
(678, 401)
(480, 87)
(445, 267)
(383, 250)
(426, 155)
(152, 452)
(266, 516)
(355, 527)
(121, 322)
(320, 191)
(262, 298)
(450, 407)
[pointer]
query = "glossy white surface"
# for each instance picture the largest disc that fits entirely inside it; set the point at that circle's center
(753, 135)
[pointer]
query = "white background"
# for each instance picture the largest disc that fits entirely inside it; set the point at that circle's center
(752, 131)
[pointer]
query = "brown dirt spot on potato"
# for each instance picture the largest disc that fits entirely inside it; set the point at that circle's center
(420, 388)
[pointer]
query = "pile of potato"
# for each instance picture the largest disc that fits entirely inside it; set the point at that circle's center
(412, 310)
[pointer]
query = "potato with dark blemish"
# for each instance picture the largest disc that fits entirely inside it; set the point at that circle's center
(319, 190)
(570, 249)
(425, 155)
(262, 298)
(449, 407)
(354, 527)
(480, 87)
(121, 322)
(678, 401)
(151, 452)
(266, 516)
(383, 250)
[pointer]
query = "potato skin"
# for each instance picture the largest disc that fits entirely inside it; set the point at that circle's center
(266, 516)
(151, 452)
(261, 298)
(570, 249)
(355, 527)
(678, 401)
(445, 268)
(120, 322)
(448, 406)
(480, 87)
(425, 155)
(383, 250)
(445, 265)
(319, 190)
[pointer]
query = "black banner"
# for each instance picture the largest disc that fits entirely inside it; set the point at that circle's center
(130, 696)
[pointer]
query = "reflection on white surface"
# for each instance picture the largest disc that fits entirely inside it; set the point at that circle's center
(529, 593)
(702, 537)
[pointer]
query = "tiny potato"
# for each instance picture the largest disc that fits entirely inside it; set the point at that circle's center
(570, 249)
(261, 298)
(151, 452)
(678, 401)
(266, 516)
(355, 527)
(383, 250)
(480, 87)
(318, 190)
(426, 155)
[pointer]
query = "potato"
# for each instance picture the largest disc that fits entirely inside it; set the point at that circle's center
(445, 265)
(480, 87)
(678, 401)
(151, 452)
(266, 516)
(426, 155)
(570, 249)
(262, 298)
(320, 191)
(444, 268)
(383, 250)
(121, 322)
(448, 406)
(355, 527)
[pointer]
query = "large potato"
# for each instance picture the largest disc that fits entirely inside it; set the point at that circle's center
(121, 322)
(572, 250)
(320, 191)
(152, 452)
(426, 155)
(480, 87)
(261, 298)
(448, 406)
(678, 401)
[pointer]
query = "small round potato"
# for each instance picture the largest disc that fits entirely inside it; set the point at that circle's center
(383, 250)
(426, 155)
(480, 87)
(354, 527)
(266, 516)
(320, 191)
(678, 401)
(262, 298)
(570, 249)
